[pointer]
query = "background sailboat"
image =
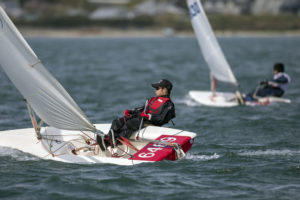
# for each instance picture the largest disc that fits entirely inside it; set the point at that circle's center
(215, 59)
(71, 136)
(218, 65)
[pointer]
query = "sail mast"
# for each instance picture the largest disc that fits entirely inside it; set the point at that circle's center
(213, 84)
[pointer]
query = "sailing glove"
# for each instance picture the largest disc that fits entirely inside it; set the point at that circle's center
(264, 82)
(127, 113)
(147, 116)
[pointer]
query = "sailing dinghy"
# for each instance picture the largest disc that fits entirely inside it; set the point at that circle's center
(218, 65)
(215, 59)
(70, 136)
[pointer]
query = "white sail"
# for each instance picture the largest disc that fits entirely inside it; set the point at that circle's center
(210, 48)
(46, 96)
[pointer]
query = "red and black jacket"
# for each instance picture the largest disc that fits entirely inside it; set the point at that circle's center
(161, 109)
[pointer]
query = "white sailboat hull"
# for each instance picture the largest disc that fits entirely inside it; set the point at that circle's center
(220, 99)
(275, 100)
(60, 143)
(268, 100)
(226, 99)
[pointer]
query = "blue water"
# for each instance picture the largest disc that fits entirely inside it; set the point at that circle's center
(240, 152)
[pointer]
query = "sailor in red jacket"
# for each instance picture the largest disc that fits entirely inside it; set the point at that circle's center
(159, 111)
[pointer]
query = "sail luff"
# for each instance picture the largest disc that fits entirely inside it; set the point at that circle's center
(208, 43)
(43, 92)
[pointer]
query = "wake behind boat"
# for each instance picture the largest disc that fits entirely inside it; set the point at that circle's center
(219, 68)
(70, 136)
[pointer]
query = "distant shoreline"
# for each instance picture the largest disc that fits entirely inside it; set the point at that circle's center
(106, 32)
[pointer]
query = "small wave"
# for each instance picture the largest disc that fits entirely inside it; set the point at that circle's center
(269, 153)
(187, 100)
(202, 157)
(16, 154)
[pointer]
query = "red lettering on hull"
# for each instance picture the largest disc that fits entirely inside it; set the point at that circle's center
(158, 151)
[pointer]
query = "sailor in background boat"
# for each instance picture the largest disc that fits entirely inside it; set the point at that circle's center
(274, 88)
(158, 111)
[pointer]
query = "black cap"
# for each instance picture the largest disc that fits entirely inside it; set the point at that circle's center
(279, 67)
(164, 83)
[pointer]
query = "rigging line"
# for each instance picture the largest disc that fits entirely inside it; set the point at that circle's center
(63, 135)
(114, 154)
(51, 139)
(48, 148)
(54, 155)
(178, 132)
(96, 150)
(42, 140)
(74, 151)
(35, 63)
(125, 152)
(53, 152)
(88, 139)
(87, 135)
(126, 142)
(78, 140)
(50, 143)
(49, 152)
(172, 122)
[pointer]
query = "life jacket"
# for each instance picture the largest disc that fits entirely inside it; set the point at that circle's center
(283, 80)
(155, 104)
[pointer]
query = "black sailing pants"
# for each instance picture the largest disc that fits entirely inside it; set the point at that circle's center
(125, 126)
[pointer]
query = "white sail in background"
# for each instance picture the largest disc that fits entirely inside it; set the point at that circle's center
(210, 48)
(46, 96)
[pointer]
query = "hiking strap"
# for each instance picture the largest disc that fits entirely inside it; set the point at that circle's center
(126, 142)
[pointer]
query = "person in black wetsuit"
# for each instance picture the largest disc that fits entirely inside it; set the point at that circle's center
(276, 87)
(159, 111)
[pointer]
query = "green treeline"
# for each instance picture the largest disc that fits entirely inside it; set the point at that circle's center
(285, 22)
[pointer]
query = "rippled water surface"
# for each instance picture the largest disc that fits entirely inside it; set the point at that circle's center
(240, 152)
